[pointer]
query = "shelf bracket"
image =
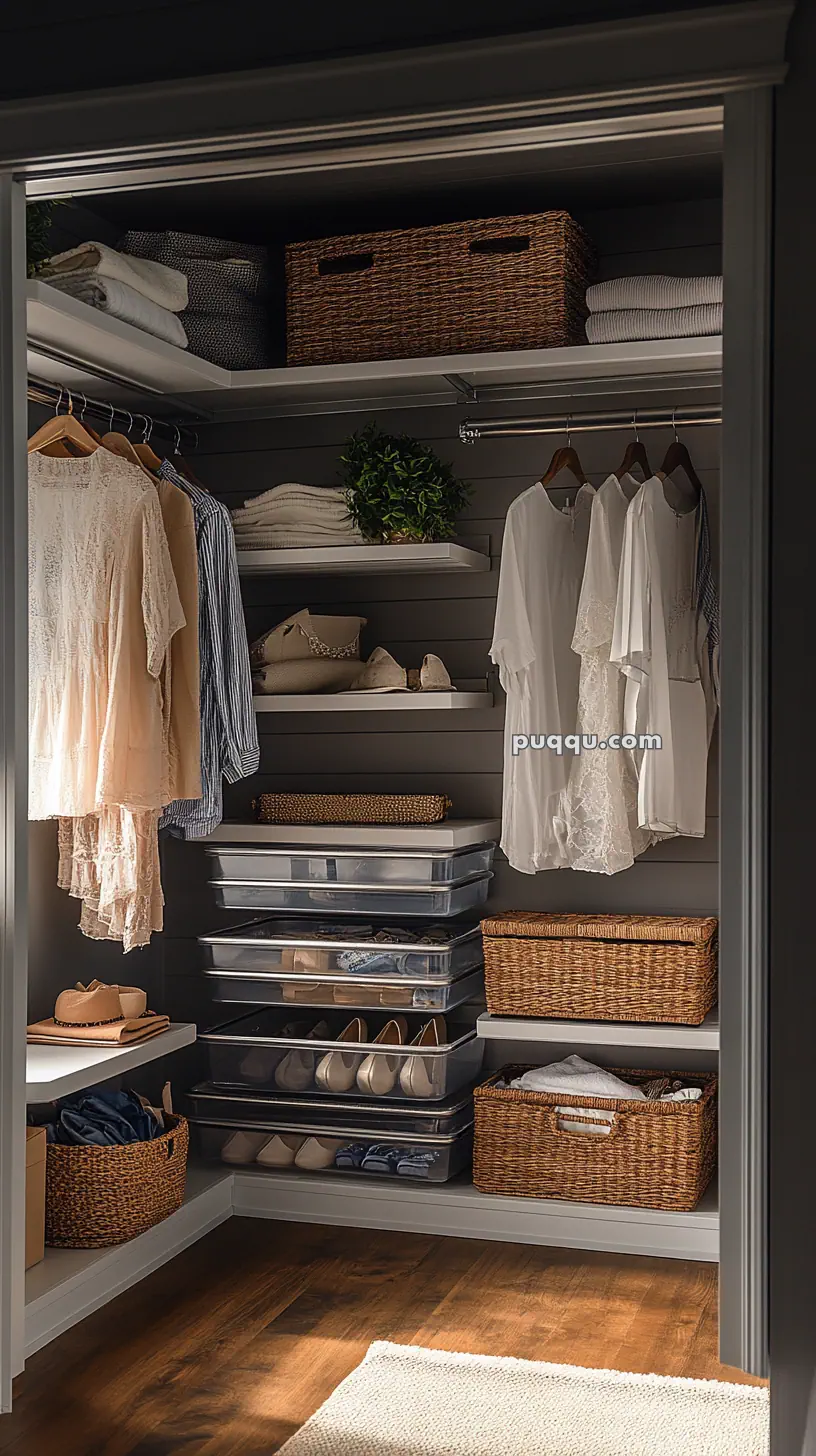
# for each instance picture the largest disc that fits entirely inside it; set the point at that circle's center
(466, 392)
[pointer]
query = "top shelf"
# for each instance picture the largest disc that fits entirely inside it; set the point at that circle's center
(75, 345)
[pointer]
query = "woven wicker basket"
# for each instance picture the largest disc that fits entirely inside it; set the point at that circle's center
(601, 967)
(465, 287)
(352, 808)
(99, 1196)
(657, 1154)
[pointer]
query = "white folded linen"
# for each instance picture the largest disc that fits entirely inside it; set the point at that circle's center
(574, 1077)
(124, 303)
(164, 286)
(654, 290)
(621, 325)
(318, 493)
(294, 537)
(294, 514)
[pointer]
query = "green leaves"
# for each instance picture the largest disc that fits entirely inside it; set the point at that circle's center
(398, 487)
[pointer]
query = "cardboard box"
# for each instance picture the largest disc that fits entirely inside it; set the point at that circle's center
(35, 1196)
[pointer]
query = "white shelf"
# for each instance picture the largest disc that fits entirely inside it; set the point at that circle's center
(459, 1210)
(65, 335)
(451, 834)
(376, 560)
(369, 702)
(73, 344)
(56, 1071)
(69, 1284)
(602, 1033)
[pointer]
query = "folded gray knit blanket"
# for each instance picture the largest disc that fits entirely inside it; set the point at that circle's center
(653, 291)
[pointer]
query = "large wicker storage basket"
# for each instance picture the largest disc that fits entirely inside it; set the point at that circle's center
(464, 287)
(656, 1155)
(601, 967)
(99, 1196)
(352, 808)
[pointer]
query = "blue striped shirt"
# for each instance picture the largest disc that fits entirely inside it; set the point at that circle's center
(229, 734)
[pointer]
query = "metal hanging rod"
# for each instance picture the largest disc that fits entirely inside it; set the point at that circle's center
(63, 399)
(569, 424)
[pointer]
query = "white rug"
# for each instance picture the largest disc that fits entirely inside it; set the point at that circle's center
(405, 1401)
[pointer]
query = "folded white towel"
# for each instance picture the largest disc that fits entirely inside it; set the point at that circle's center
(291, 513)
(124, 303)
(621, 325)
(654, 290)
(294, 489)
(162, 285)
(574, 1077)
(292, 537)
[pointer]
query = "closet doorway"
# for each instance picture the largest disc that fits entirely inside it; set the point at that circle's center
(668, 188)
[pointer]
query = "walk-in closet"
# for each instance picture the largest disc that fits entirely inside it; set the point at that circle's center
(331, 992)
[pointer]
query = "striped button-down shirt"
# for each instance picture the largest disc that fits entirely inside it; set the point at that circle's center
(229, 734)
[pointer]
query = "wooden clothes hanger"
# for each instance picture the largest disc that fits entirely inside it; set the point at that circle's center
(635, 454)
(564, 459)
(120, 445)
(144, 450)
(677, 458)
(63, 436)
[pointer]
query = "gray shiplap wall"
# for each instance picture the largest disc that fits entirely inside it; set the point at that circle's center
(458, 753)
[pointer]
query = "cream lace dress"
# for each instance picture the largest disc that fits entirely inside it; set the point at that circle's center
(604, 834)
(103, 607)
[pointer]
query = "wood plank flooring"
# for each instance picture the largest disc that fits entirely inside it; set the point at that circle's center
(227, 1350)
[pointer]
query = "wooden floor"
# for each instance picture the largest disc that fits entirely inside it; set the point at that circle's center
(227, 1350)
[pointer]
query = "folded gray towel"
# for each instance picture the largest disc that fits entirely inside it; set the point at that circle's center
(624, 324)
(122, 302)
(655, 290)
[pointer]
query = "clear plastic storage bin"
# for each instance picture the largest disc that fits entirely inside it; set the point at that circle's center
(338, 899)
(264, 988)
(321, 1149)
(272, 1049)
(209, 1103)
(320, 948)
(385, 867)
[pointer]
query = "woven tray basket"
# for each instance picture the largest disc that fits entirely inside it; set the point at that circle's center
(465, 287)
(351, 808)
(657, 1154)
(601, 967)
(99, 1196)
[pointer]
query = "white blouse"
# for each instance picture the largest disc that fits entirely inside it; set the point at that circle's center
(659, 640)
(542, 565)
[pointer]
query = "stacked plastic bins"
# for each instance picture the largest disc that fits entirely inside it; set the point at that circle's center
(350, 1048)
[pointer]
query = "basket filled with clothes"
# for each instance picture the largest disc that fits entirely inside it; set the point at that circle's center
(654, 968)
(588, 1134)
(115, 1166)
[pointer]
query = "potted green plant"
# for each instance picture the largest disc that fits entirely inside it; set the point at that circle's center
(398, 489)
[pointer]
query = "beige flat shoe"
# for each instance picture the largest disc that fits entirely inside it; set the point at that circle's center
(307, 995)
(381, 674)
(243, 1147)
(279, 1151)
(295, 1073)
(417, 1075)
(318, 1152)
(337, 1071)
(433, 675)
(377, 1075)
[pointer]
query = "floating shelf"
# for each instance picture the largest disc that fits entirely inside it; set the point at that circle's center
(369, 702)
(73, 344)
(451, 834)
(378, 560)
(602, 1033)
(56, 1071)
(458, 1209)
(69, 1284)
